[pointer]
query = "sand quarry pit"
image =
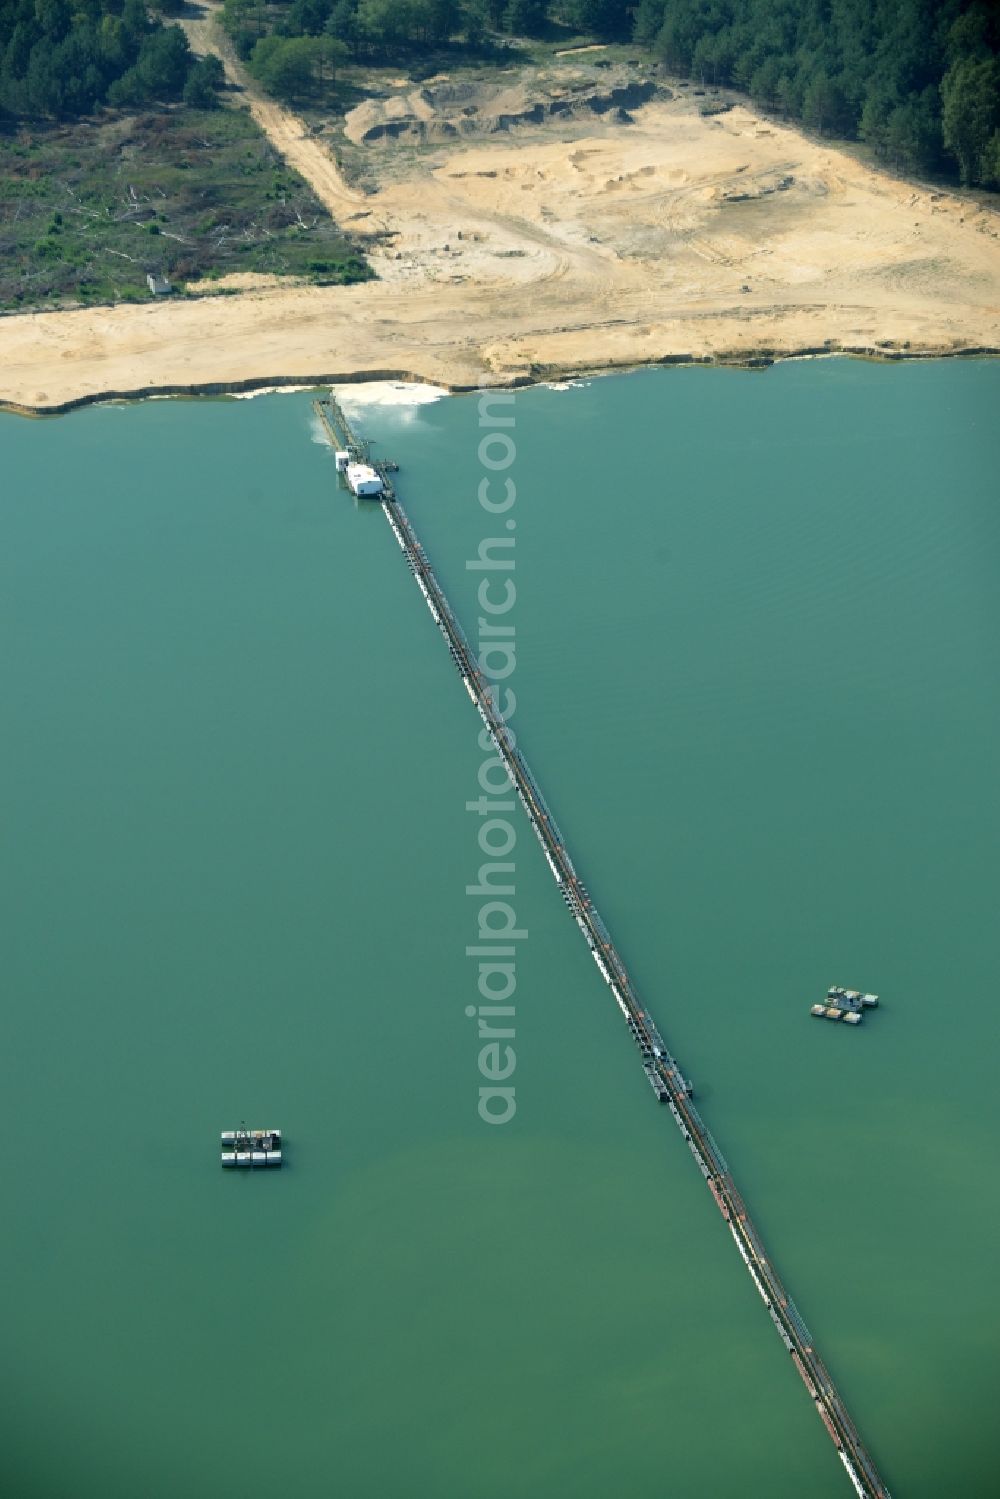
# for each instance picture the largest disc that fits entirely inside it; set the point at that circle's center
(652, 195)
(588, 238)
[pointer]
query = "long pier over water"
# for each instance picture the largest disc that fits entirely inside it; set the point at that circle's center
(659, 1066)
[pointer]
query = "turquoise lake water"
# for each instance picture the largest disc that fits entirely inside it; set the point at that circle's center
(757, 628)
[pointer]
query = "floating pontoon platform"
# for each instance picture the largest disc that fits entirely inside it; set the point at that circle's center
(251, 1148)
(844, 1004)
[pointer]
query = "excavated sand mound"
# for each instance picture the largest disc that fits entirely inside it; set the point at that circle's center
(441, 111)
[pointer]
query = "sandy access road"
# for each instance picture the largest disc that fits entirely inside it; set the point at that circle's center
(555, 249)
(284, 129)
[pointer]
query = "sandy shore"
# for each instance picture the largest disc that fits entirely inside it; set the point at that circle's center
(561, 250)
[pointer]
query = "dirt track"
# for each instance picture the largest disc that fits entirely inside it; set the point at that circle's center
(284, 129)
(543, 252)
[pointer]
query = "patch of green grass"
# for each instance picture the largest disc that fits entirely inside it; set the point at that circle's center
(88, 210)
